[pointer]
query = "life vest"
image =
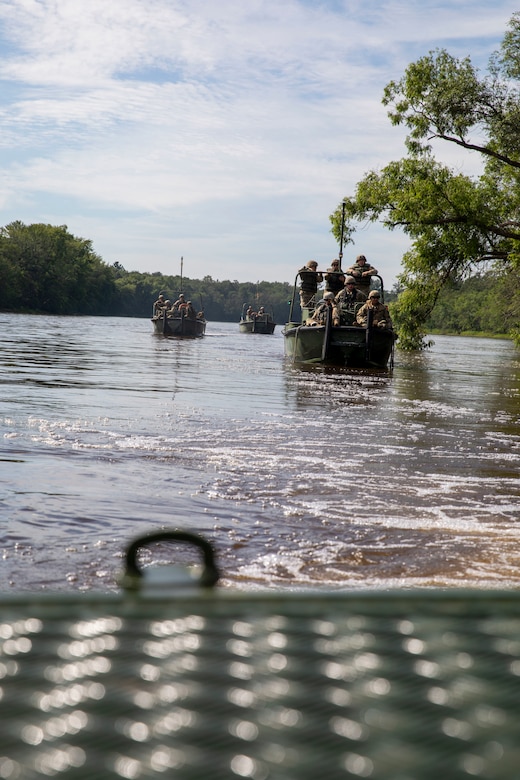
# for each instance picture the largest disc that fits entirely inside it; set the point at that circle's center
(309, 280)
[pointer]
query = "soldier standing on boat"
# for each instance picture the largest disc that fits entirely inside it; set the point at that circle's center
(310, 279)
(334, 278)
(362, 272)
(380, 313)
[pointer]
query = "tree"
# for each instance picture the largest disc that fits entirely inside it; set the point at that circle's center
(458, 224)
(49, 270)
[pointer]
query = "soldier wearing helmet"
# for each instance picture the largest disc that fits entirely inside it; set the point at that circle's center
(160, 304)
(362, 271)
(181, 301)
(380, 313)
(310, 279)
(322, 310)
(345, 302)
(334, 278)
(350, 295)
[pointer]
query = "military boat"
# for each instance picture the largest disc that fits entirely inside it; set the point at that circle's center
(178, 319)
(347, 344)
(178, 324)
(260, 322)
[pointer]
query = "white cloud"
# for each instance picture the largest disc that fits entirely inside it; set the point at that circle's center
(223, 132)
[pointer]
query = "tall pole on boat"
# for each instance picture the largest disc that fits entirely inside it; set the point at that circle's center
(182, 263)
(342, 228)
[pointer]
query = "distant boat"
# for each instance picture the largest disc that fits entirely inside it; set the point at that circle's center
(179, 319)
(256, 322)
(178, 322)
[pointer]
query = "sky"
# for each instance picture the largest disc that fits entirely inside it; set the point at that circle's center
(225, 133)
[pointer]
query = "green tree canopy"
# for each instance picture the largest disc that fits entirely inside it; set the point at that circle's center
(45, 268)
(458, 224)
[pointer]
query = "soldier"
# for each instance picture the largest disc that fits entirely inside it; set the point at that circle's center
(380, 314)
(362, 271)
(346, 301)
(334, 278)
(320, 313)
(160, 304)
(310, 279)
(178, 303)
(190, 311)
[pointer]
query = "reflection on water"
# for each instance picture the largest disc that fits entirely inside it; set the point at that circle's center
(301, 476)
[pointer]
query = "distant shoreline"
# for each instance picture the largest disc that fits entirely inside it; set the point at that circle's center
(471, 334)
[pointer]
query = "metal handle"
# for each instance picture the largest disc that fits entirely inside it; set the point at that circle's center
(210, 574)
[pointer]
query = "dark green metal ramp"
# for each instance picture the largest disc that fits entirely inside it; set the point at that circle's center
(172, 678)
(218, 684)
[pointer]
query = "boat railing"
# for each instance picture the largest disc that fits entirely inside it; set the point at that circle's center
(381, 286)
(293, 298)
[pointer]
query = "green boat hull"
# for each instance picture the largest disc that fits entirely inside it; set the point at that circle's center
(180, 327)
(351, 346)
(262, 325)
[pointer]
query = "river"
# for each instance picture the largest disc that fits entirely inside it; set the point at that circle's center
(300, 477)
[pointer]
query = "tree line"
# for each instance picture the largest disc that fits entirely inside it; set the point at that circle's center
(46, 269)
(482, 304)
(221, 301)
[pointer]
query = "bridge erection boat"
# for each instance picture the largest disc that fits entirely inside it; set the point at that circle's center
(256, 322)
(178, 324)
(178, 319)
(337, 337)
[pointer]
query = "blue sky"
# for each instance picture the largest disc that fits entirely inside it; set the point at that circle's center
(226, 132)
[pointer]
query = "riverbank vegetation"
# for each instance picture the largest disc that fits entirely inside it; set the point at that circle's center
(461, 227)
(481, 305)
(45, 269)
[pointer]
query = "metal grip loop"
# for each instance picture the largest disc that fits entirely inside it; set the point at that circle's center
(210, 574)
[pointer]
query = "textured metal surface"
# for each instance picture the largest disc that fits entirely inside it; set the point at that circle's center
(390, 686)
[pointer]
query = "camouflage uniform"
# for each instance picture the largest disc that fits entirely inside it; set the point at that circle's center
(320, 313)
(344, 302)
(362, 273)
(178, 303)
(160, 304)
(334, 279)
(380, 318)
(309, 284)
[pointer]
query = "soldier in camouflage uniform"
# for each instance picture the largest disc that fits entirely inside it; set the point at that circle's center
(346, 300)
(310, 279)
(320, 313)
(362, 272)
(334, 278)
(380, 313)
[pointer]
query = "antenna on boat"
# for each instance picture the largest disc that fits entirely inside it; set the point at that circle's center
(342, 228)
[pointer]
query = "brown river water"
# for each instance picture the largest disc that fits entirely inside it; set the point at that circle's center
(301, 477)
